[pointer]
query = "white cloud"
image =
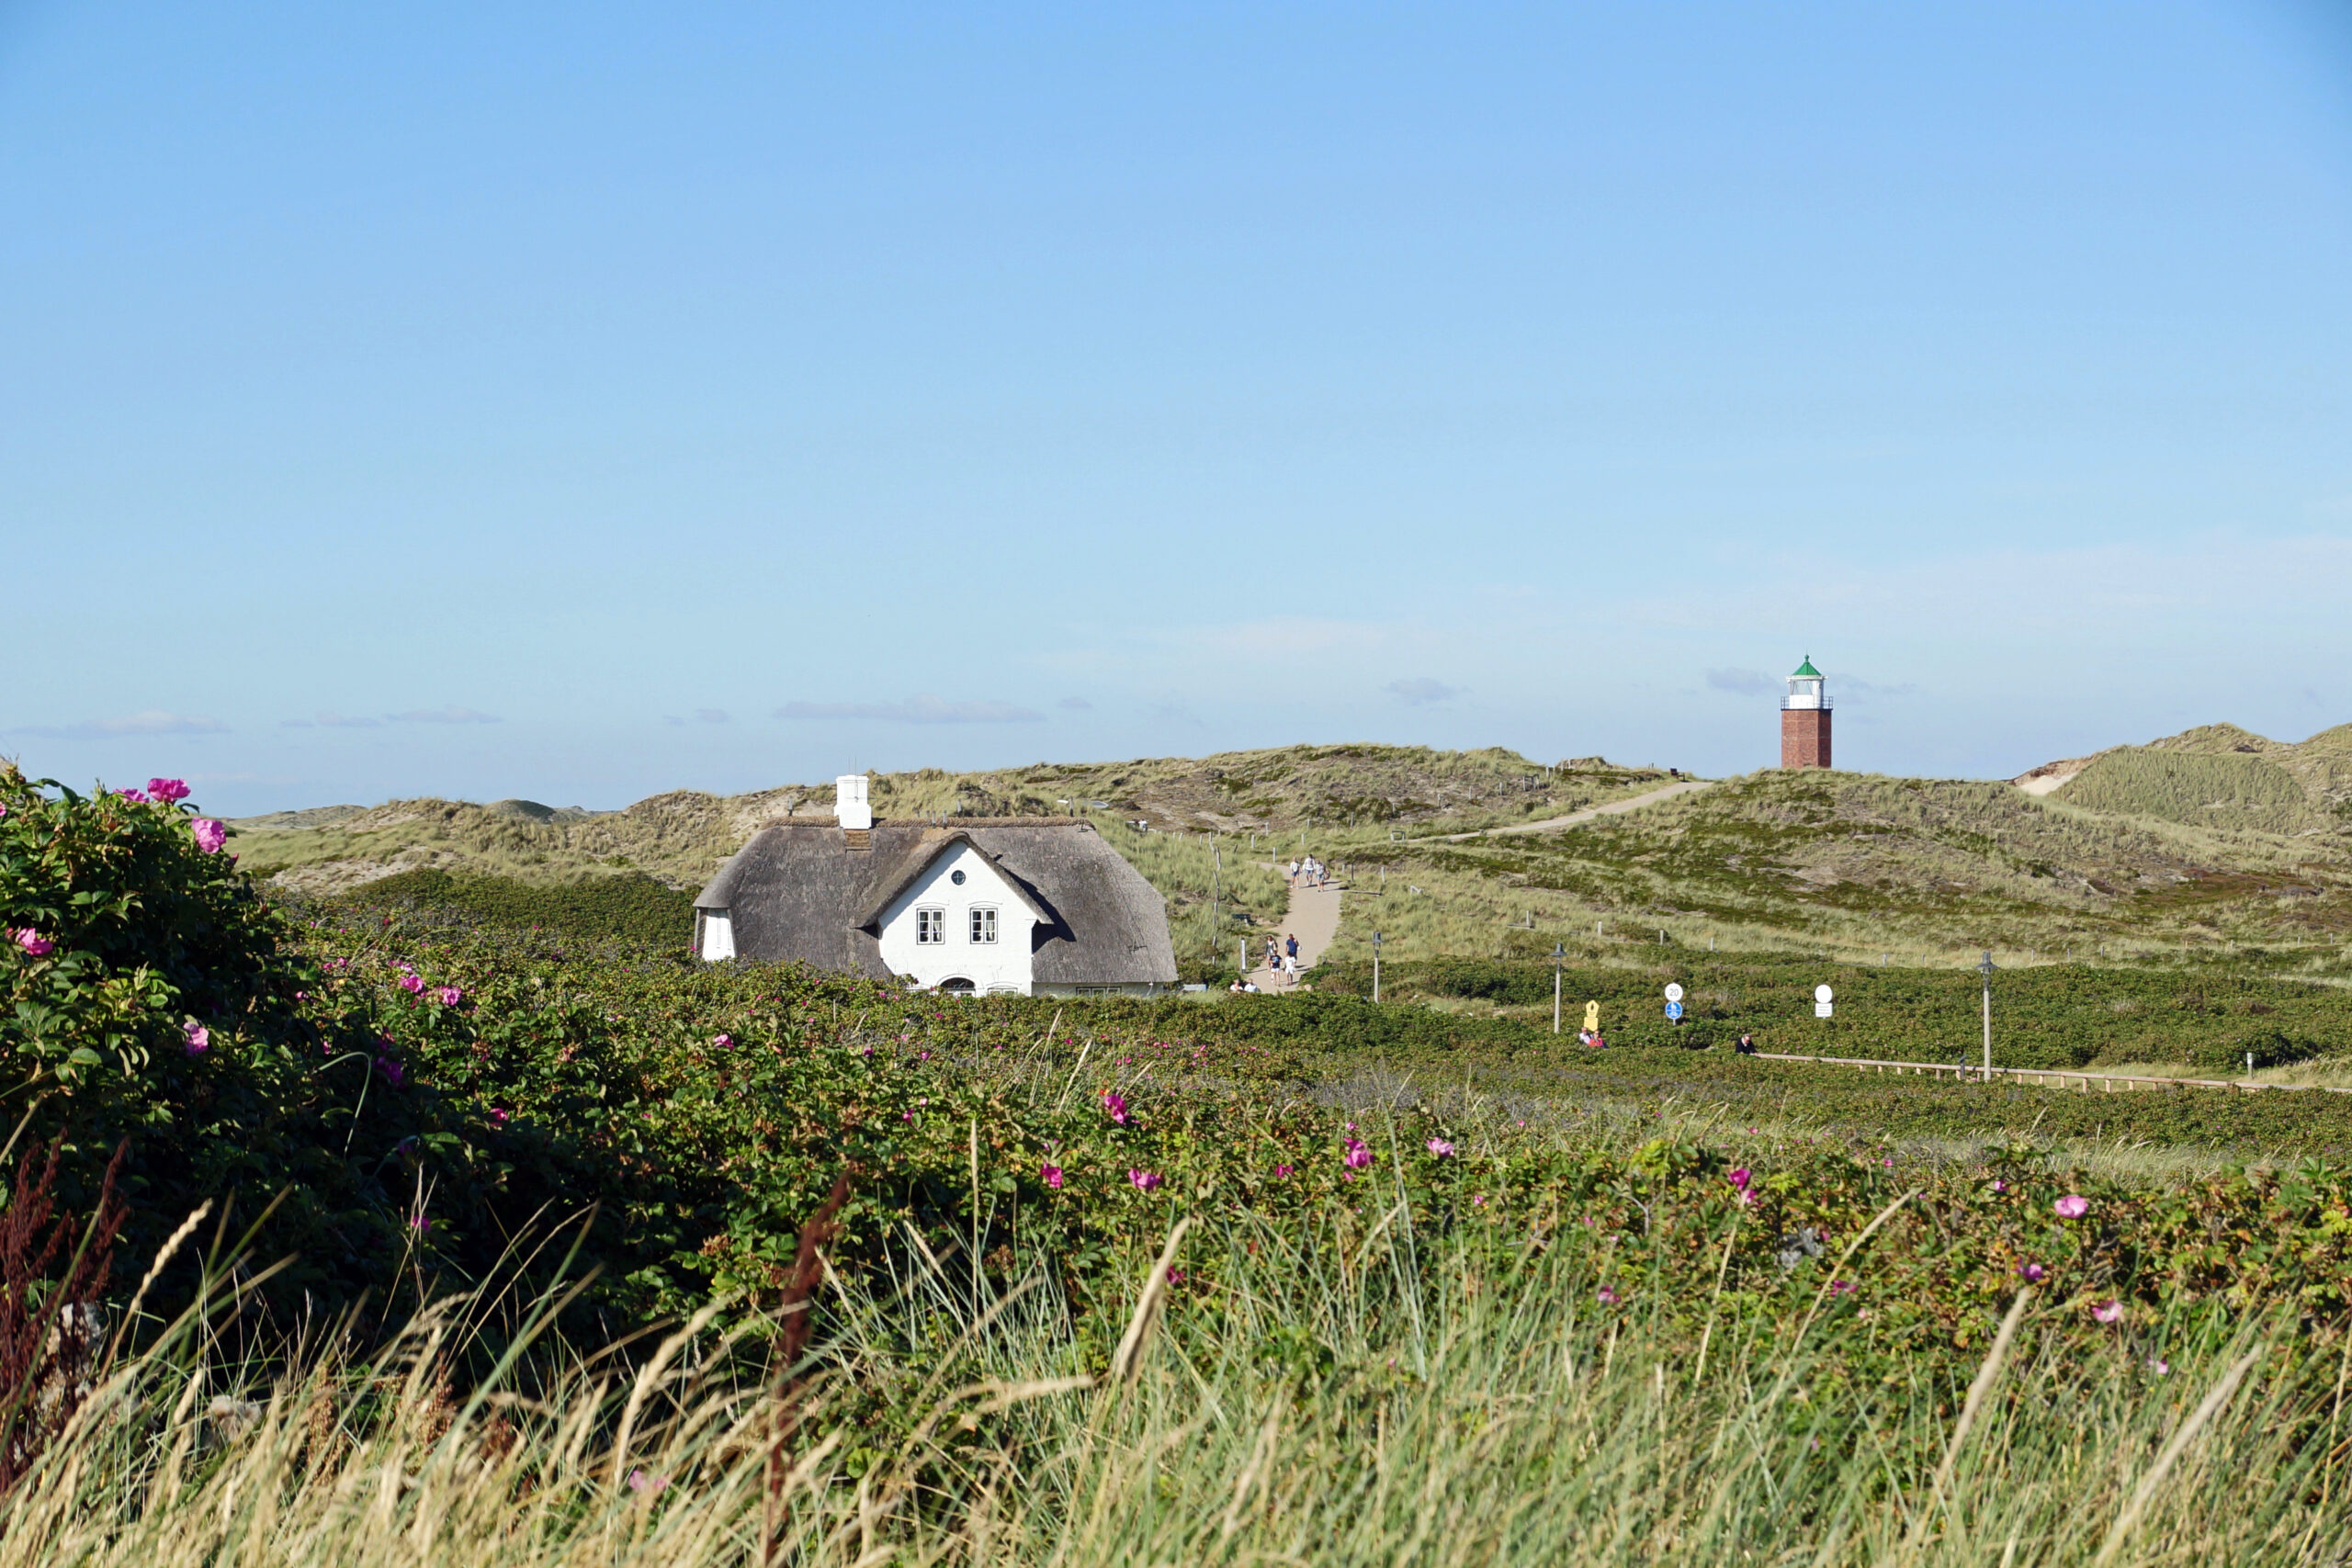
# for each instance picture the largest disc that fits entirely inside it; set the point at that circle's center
(324, 719)
(452, 714)
(154, 721)
(1744, 683)
(1421, 689)
(914, 710)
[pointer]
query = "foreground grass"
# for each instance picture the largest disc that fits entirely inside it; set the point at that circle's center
(1316, 1405)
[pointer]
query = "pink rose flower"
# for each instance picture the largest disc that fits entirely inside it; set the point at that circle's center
(35, 944)
(199, 1039)
(209, 835)
(1114, 1105)
(1053, 1175)
(722, 1042)
(2073, 1206)
(2107, 1311)
(133, 796)
(166, 791)
(2034, 1272)
(448, 995)
(1144, 1180)
(412, 985)
(1440, 1147)
(1741, 1178)
(1282, 1170)
(1607, 1296)
(499, 1115)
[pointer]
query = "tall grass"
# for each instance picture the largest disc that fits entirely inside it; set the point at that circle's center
(1337, 1412)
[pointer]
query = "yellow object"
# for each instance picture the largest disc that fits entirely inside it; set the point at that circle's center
(1592, 1018)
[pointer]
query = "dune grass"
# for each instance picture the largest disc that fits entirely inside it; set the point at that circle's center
(1339, 1413)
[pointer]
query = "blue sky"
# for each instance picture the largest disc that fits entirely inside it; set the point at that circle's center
(582, 401)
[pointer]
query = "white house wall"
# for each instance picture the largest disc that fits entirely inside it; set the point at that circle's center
(1000, 966)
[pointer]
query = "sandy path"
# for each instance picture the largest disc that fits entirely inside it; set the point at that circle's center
(1650, 797)
(1314, 918)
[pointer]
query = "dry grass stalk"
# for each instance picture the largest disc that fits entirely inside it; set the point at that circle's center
(1128, 1357)
(2142, 1494)
(1986, 1376)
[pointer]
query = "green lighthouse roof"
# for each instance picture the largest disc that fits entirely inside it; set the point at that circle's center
(1806, 670)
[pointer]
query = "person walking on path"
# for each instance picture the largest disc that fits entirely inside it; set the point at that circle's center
(1293, 874)
(1290, 969)
(1290, 946)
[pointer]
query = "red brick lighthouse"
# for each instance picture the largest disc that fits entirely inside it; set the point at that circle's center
(1805, 720)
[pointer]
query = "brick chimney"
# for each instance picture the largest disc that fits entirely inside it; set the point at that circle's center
(1804, 719)
(851, 810)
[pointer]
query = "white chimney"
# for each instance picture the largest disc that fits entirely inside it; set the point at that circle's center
(849, 803)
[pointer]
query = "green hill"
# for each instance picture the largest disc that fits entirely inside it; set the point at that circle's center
(1857, 865)
(2221, 776)
(1206, 825)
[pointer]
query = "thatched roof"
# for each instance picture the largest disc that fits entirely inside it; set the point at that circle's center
(797, 891)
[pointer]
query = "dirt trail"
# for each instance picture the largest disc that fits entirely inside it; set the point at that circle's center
(1314, 918)
(1650, 797)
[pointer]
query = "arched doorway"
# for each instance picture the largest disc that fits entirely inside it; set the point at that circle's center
(955, 984)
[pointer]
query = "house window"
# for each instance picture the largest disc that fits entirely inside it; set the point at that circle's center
(930, 926)
(983, 925)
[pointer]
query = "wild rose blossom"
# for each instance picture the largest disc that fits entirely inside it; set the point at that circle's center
(1114, 1105)
(132, 796)
(2034, 1272)
(2107, 1311)
(1357, 1157)
(721, 1042)
(414, 985)
(209, 835)
(391, 1069)
(1144, 1180)
(449, 996)
(1053, 1175)
(500, 1115)
(1741, 1178)
(35, 944)
(199, 1039)
(165, 792)
(2073, 1206)
(1440, 1147)
(1282, 1170)
(1608, 1297)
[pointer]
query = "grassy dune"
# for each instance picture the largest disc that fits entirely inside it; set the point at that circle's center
(1854, 866)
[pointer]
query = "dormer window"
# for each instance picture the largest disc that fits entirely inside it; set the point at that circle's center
(930, 928)
(983, 924)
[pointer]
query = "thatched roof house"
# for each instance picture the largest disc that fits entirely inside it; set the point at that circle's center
(1032, 905)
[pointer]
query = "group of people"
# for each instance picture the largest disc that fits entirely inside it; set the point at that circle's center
(1308, 873)
(1282, 964)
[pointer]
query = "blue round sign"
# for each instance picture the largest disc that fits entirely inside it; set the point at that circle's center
(1674, 1010)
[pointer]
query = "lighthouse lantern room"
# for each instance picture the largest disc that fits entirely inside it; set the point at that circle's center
(1804, 719)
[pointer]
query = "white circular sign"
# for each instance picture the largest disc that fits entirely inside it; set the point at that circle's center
(1673, 992)
(1823, 994)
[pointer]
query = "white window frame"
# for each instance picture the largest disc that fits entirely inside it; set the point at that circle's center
(982, 925)
(931, 926)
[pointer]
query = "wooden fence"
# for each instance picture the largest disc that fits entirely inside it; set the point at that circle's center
(2046, 1077)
